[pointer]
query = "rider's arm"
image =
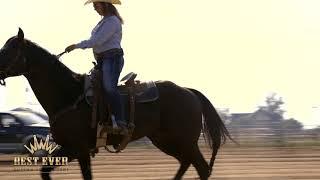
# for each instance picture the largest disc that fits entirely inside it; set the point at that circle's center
(101, 33)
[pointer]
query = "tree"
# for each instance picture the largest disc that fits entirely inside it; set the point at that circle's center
(291, 125)
(273, 105)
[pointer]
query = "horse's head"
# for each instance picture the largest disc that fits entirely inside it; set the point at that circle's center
(12, 57)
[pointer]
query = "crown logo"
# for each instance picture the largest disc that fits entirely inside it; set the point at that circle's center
(40, 145)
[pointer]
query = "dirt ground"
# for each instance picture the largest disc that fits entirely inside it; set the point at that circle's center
(272, 163)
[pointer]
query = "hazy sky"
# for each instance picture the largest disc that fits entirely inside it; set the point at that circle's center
(235, 51)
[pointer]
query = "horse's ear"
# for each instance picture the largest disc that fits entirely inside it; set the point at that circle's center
(20, 34)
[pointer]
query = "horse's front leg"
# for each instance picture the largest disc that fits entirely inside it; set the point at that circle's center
(46, 169)
(85, 165)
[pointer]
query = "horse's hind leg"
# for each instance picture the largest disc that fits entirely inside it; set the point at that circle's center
(184, 165)
(171, 149)
(192, 155)
(185, 153)
(46, 169)
(199, 163)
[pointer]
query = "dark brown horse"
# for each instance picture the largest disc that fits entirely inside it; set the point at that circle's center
(173, 122)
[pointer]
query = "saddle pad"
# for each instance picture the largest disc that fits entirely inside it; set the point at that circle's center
(144, 92)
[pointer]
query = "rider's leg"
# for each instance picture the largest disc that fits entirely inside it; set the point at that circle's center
(111, 69)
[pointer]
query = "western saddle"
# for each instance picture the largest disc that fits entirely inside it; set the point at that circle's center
(102, 119)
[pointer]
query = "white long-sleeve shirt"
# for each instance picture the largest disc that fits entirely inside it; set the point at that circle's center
(106, 35)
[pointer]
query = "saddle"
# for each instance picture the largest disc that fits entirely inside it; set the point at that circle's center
(132, 92)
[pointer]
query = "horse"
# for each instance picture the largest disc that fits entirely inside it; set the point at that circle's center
(173, 122)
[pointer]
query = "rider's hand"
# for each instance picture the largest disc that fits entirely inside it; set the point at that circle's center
(70, 48)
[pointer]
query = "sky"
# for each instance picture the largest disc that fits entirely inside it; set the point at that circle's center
(235, 52)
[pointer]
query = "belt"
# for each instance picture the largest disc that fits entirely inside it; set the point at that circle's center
(108, 53)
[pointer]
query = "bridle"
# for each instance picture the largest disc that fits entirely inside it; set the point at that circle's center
(15, 60)
(10, 66)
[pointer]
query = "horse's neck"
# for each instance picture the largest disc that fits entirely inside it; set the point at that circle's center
(51, 82)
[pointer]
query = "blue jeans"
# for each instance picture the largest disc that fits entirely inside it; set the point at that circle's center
(111, 69)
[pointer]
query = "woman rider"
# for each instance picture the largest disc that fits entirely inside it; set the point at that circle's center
(105, 41)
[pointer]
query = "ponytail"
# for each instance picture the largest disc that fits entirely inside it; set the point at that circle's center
(112, 10)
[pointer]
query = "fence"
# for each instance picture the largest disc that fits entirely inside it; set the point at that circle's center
(274, 135)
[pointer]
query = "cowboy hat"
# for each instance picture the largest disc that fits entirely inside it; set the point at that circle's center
(108, 1)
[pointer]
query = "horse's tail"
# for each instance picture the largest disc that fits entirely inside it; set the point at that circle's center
(214, 130)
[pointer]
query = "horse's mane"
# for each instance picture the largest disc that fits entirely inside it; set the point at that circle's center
(46, 57)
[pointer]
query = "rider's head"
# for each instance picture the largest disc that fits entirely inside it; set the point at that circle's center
(106, 7)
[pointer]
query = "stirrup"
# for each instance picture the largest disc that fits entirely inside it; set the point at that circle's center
(102, 135)
(116, 129)
(126, 138)
(120, 131)
(125, 141)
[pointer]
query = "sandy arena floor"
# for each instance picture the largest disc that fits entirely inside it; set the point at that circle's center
(149, 163)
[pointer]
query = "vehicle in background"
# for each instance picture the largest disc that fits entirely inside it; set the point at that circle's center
(17, 129)
(23, 109)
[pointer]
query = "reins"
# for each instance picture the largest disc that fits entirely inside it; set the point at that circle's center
(59, 55)
(2, 81)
